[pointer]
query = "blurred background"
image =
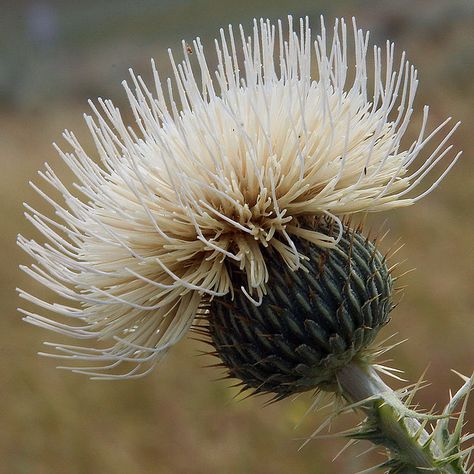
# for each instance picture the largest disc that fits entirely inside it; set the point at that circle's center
(54, 55)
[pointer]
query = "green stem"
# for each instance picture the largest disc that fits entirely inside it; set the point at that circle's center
(390, 423)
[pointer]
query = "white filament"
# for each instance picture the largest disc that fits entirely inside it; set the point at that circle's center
(218, 166)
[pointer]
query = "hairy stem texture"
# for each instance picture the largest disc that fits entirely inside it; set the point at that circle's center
(391, 424)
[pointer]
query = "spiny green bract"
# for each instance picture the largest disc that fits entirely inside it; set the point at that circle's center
(311, 322)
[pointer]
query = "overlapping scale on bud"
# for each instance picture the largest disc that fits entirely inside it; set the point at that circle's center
(311, 322)
(219, 166)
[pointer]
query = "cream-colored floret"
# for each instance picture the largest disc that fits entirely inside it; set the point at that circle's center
(217, 167)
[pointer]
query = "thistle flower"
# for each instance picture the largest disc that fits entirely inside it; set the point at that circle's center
(218, 172)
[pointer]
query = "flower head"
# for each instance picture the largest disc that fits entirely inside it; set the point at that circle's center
(218, 167)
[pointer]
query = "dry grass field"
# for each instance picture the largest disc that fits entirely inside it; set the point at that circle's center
(179, 419)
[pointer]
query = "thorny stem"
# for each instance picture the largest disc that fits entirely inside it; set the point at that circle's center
(403, 436)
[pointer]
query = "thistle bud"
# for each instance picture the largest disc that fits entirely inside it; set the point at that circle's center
(311, 323)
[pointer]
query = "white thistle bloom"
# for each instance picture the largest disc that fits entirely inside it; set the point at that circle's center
(217, 167)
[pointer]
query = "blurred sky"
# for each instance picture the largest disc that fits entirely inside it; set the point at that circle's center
(54, 55)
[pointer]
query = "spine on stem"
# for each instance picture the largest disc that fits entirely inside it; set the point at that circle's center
(314, 330)
(391, 423)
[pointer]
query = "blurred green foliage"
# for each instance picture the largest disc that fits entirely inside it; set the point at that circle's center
(178, 420)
